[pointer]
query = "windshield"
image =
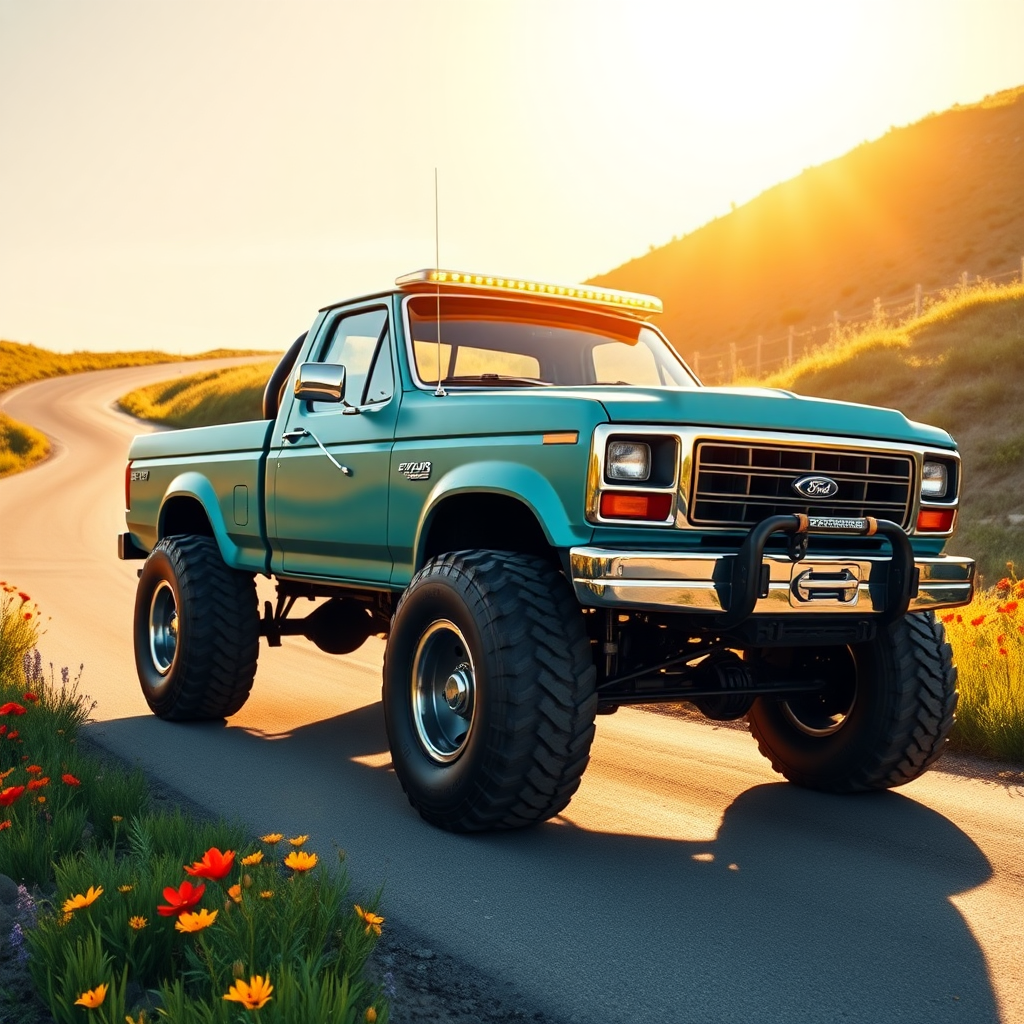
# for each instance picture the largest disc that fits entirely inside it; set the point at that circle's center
(497, 342)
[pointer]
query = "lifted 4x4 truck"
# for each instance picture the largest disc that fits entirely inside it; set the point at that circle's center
(529, 493)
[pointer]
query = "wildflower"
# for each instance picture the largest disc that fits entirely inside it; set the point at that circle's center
(267, 894)
(10, 771)
(34, 769)
(27, 616)
(959, 618)
(13, 734)
(3, 729)
(300, 861)
(39, 783)
(1007, 609)
(185, 897)
(4, 824)
(949, 617)
(136, 922)
(125, 888)
(10, 794)
(1004, 584)
(196, 922)
(235, 892)
(11, 708)
(373, 921)
(24, 597)
(30, 696)
(272, 838)
(1003, 651)
(298, 841)
(129, 1019)
(79, 901)
(252, 996)
(69, 780)
(40, 799)
(253, 858)
(93, 998)
(214, 864)
(1000, 639)
(1018, 590)
(370, 1016)
(978, 621)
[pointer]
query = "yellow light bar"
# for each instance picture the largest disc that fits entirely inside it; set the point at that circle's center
(630, 301)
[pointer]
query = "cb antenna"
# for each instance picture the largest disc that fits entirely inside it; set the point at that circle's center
(440, 392)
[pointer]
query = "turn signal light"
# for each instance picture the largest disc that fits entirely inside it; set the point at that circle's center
(635, 505)
(935, 520)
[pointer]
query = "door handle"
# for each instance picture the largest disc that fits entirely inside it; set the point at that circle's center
(300, 432)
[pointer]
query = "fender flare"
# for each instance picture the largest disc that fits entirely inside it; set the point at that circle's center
(197, 487)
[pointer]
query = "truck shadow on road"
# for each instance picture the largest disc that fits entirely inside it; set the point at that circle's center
(800, 906)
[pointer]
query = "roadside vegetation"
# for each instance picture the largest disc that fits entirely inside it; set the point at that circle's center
(22, 446)
(126, 913)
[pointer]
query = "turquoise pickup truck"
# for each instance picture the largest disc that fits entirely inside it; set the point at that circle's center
(526, 490)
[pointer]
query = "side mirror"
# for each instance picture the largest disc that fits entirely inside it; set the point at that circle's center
(320, 382)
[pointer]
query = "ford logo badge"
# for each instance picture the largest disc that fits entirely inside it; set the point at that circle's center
(816, 487)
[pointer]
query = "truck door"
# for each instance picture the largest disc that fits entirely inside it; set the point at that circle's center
(331, 520)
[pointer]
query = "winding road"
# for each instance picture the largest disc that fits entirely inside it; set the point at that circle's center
(685, 882)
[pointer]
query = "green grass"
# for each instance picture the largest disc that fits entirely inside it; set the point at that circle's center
(219, 396)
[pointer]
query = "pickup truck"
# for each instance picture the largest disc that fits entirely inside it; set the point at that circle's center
(527, 491)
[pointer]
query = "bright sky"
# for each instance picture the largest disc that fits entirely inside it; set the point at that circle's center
(189, 174)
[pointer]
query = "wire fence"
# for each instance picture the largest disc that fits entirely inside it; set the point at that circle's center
(766, 354)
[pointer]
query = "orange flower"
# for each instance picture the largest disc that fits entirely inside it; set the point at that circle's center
(27, 616)
(267, 894)
(949, 617)
(185, 897)
(11, 708)
(298, 861)
(79, 901)
(214, 865)
(253, 995)
(195, 922)
(1004, 584)
(373, 921)
(13, 734)
(370, 1016)
(978, 621)
(93, 998)
(34, 769)
(39, 783)
(272, 838)
(4, 824)
(298, 840)
(1007, 609)
(235, 892)
(10, 794)
(137, 923)
(69, 780)
(253, 858)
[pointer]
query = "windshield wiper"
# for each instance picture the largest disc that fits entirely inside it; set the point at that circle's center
(498, 380)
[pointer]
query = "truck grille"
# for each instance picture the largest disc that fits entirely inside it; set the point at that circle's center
(739, 484)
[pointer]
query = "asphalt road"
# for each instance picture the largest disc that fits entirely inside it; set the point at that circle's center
(684, 883)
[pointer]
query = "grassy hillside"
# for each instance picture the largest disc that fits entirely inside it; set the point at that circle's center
(961, 367)
(220, 396)
(921, 205)
(20, 445)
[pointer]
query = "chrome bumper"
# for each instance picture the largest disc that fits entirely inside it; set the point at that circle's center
(702, 582)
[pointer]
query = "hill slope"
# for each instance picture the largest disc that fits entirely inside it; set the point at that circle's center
(921, 205)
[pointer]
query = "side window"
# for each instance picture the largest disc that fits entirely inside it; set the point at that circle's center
(353, 342)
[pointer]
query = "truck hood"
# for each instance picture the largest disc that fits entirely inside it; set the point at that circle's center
(765, 409)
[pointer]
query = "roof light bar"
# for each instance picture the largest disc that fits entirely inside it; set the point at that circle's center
(632, 301)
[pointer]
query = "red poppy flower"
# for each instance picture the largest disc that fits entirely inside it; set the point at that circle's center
(33, 697)
(1007, 609)
(4, 824)
(3, 729)
(34, 769)
(978, 621)
(949, 617)
(13, 735)
(1003, 652)
(185, 897)
(24, 596)
(69, 779)
(39, 783)
(10, 708)
(10, 794)
(214, 865)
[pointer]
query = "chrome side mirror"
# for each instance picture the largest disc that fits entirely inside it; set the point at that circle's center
(320, 382)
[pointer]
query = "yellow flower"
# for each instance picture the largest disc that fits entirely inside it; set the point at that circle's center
(79, 901)
(298, 840)
(373, 921)
(274, 837)
(138, 923)
(131, 1020)
(235, 892)
(196, 922)
(40, 799)
(267, 894)
(93, 998)
(116, 818)
(253, 858)
(300, 861)
(253, 995)
(125, 888)
(370, 1016)
(65, 918)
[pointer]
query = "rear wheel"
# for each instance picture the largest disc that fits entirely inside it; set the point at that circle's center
(489, 691)
(196, 631)
(880, 721)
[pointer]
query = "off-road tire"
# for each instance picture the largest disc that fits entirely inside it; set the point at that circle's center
(209, 665)
(533, 685)
(902, 711)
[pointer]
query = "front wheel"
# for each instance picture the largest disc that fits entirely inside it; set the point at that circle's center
(196, 631)
(489, 691)
(881, 719)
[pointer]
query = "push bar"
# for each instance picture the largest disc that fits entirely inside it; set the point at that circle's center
(747, 584)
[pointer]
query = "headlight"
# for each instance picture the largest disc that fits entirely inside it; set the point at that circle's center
(934, 480)
(628, 460)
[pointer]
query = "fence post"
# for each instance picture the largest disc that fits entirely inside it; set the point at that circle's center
(789, 346)
(917, 300)
(757, 359)
(732, 361)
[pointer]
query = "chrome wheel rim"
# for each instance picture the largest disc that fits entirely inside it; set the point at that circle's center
(443, 691)
(163, 628)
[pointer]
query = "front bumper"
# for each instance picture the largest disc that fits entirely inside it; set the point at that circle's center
(732, 586)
